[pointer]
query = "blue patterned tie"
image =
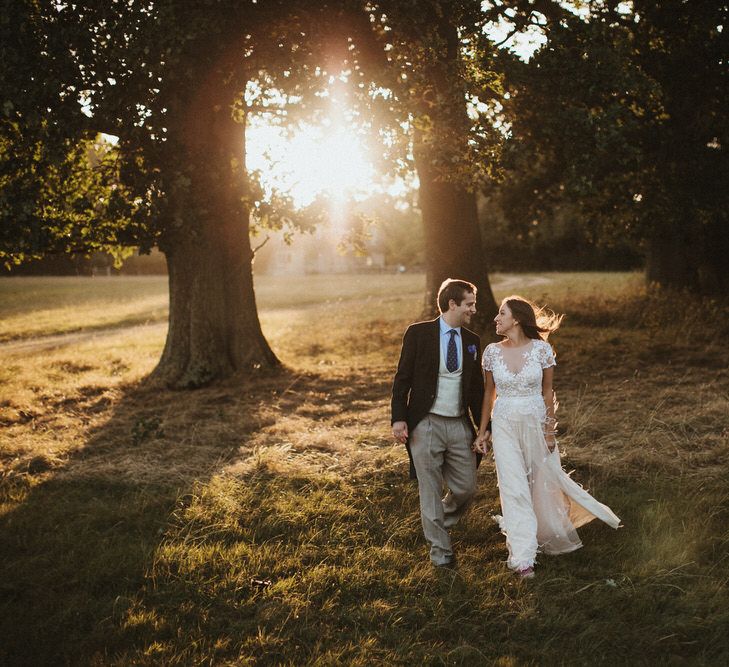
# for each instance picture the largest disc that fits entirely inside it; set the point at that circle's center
(452, 354)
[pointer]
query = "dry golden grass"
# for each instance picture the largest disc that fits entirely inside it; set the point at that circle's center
(44, 306)
(269, 519)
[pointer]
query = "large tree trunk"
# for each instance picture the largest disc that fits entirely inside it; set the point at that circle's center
(214, 329)
(453, 244)
(690, 256)
(667, 259)
(712, 273)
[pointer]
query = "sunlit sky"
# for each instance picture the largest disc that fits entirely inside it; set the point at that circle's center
(332, 159)
(325, 159)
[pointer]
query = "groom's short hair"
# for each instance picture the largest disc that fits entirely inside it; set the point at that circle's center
(453, 289)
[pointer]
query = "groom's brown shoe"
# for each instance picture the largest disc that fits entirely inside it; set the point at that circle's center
(447, 565)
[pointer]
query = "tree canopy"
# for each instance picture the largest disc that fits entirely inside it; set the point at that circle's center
(135, 71)
(621, 116)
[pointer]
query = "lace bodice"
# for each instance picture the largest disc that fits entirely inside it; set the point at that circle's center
(523, 388)
(527, 380)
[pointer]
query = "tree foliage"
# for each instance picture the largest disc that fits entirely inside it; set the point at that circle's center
(49, 195)
(622, 116)
(134, 70)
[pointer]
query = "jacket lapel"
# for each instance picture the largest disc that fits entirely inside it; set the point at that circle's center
(466, 360)
(433, 342)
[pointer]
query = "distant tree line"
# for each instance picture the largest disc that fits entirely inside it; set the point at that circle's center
(556, 242)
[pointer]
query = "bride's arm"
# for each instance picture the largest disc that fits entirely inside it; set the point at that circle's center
(550, 426)
(489, 396)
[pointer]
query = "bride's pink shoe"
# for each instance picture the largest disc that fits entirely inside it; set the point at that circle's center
(526, 572)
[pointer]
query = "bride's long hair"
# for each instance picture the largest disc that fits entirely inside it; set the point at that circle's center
(535, 322)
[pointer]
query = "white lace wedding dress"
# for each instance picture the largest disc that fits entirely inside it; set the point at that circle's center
(541, 505)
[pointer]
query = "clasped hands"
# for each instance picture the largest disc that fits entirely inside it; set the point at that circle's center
(481, 443)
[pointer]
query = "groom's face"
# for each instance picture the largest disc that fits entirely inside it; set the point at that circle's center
(466, 310)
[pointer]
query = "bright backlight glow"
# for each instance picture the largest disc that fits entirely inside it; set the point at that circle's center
(328, 160)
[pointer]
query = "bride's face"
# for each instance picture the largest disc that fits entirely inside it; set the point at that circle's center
(504, 320)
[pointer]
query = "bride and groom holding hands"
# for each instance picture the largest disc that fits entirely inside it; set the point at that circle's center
(444, 385)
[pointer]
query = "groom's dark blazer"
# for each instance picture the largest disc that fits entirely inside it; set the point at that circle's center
(416, 379)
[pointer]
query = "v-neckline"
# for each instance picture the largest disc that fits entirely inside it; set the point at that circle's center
(525, 354)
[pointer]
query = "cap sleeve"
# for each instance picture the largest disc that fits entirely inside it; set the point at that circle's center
(546, 355)
(487, 361)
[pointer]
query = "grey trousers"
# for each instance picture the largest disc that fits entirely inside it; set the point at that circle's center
(441, 450)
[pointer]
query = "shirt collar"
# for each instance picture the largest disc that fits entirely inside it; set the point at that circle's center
(445, 327)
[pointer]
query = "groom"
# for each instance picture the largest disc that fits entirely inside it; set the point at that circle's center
(438, 381)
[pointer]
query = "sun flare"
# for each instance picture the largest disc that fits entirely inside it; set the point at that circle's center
(324, 159)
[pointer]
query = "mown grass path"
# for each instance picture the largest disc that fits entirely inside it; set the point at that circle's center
(269, 519)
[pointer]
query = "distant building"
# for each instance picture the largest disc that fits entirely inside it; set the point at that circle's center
(313, 253)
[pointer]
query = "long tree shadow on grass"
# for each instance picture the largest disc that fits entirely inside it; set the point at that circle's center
(142, 549)
(330, 569)
(79, 545)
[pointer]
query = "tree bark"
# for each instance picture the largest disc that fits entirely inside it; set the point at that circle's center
(453, 243)
(712, 274)
(690, 257)
(667, 262)
(214, 329)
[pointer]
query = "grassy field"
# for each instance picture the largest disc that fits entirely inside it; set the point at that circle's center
(269, 519)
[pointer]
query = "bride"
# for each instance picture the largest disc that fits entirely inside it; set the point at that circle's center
(541, 505)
